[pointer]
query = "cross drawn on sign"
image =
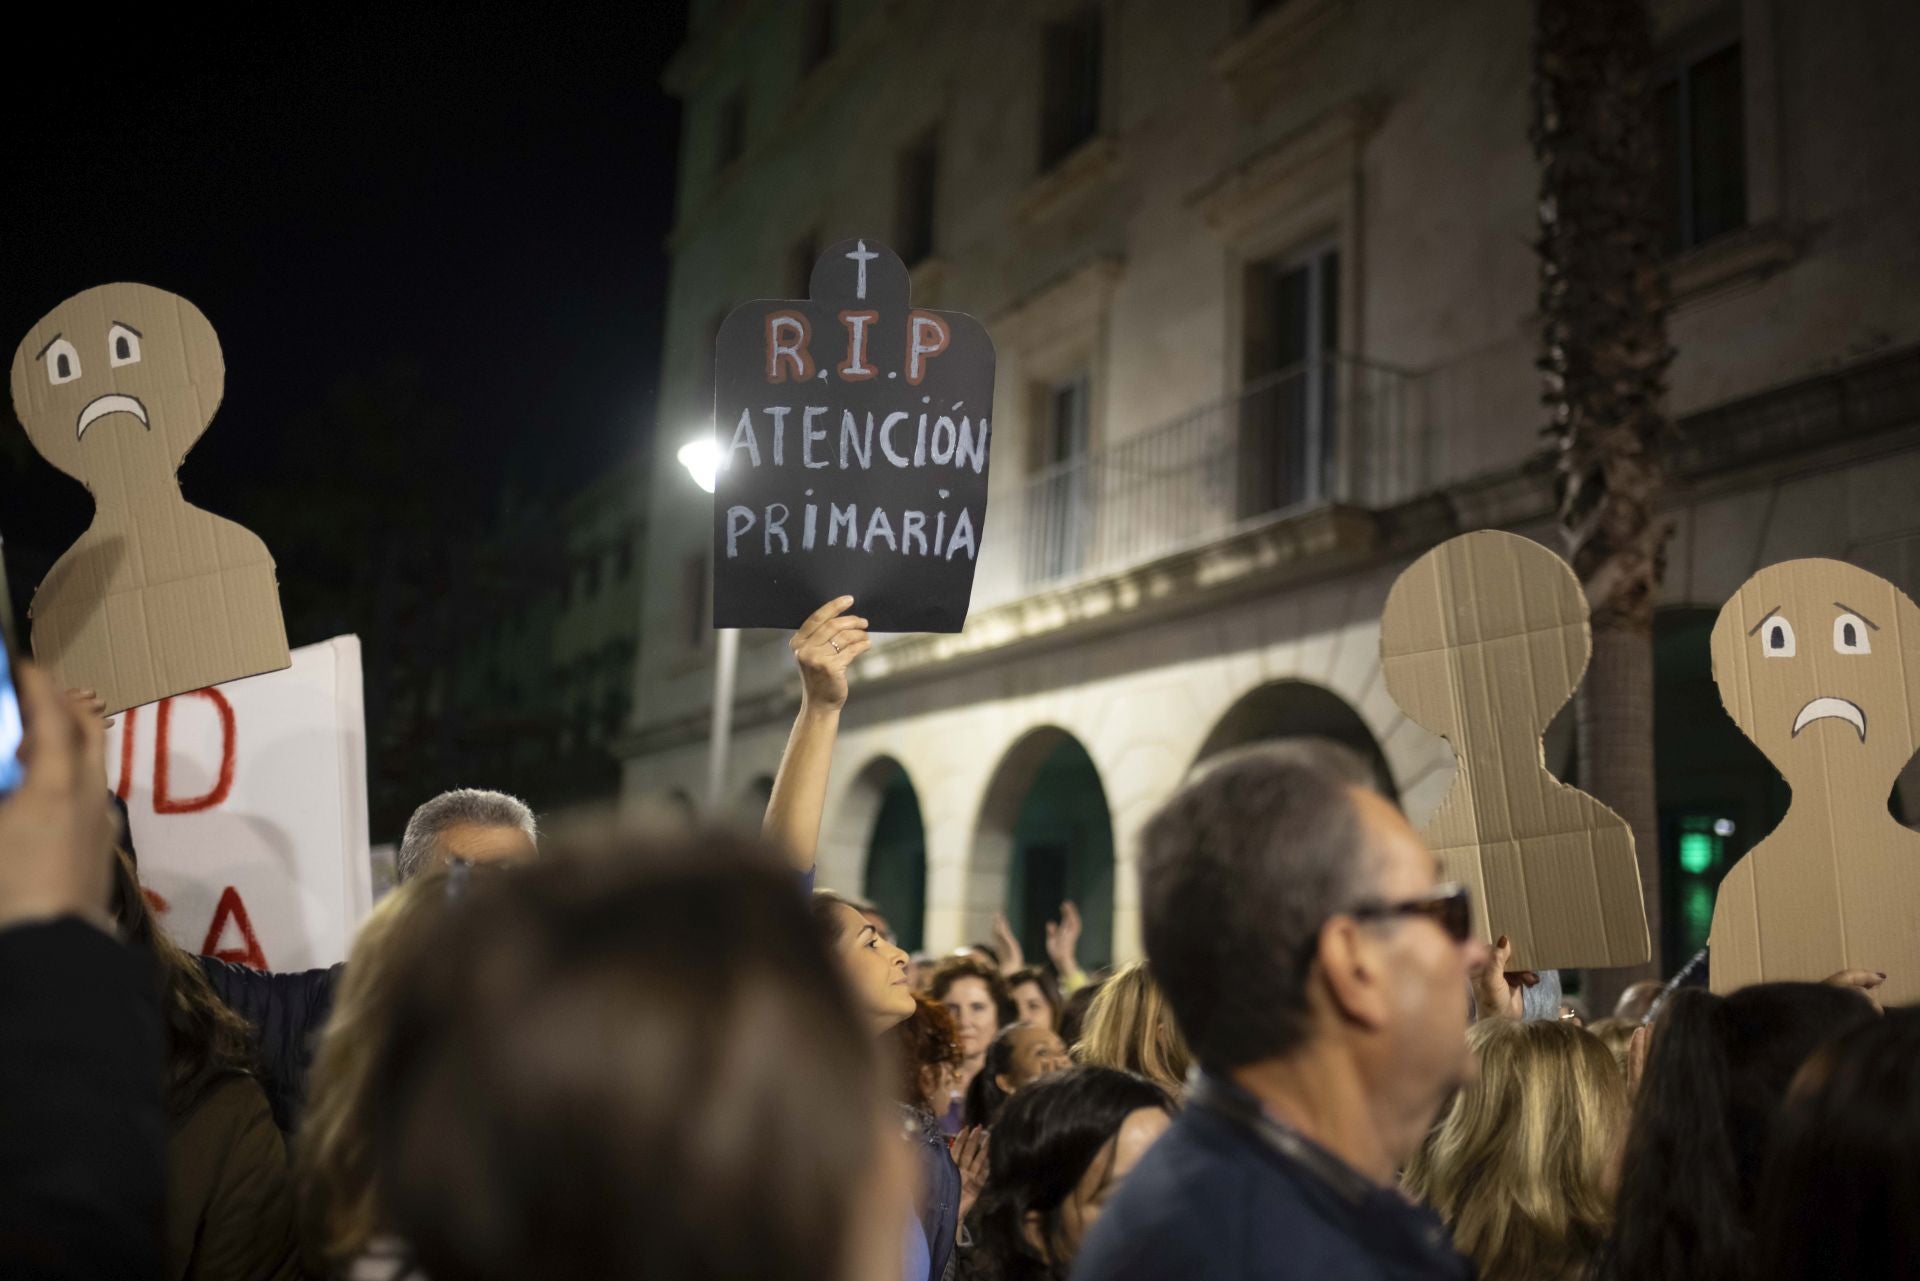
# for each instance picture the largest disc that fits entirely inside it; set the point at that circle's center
(862, 256)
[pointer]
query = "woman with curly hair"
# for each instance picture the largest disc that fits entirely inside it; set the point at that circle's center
(927, 1049)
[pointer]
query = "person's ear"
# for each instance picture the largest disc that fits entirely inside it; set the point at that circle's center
(1353, 969)
(1032, 1226)
(1006, 1086)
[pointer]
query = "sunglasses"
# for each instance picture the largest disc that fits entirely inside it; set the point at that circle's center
(1450, 906)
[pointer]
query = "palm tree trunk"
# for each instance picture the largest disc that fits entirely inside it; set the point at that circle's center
(1604, 356)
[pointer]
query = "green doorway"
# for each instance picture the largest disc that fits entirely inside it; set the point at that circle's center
(1063, 849)
(896, 876)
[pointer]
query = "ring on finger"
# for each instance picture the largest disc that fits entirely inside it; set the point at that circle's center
(834, 643)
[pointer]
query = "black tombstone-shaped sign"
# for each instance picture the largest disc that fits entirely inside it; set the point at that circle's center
(853, 434)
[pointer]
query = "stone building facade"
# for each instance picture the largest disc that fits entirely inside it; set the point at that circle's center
(1261, 280)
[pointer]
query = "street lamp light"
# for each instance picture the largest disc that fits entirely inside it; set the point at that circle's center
(701, 458)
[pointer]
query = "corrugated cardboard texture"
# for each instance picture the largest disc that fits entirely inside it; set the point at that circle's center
(157, 597)
(1483, 639)
(1818, 662)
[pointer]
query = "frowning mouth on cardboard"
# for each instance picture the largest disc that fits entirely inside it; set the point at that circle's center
(100, 406)
(1831, 708)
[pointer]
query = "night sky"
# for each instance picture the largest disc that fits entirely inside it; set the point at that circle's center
(454, 224)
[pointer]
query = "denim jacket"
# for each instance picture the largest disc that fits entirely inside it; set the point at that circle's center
(940, 1185)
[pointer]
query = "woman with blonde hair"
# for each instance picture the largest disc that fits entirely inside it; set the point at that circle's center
(1523, 1162)
(1617, 1035)
(343, 1227)
(1129, 1027)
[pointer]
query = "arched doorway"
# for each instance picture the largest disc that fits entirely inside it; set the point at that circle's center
(1297, 709)
(1045, 828)
(896, 875)
(875, 839)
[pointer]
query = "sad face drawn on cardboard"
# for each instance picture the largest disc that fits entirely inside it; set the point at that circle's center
(1817, 662)
(157, 597)
(1482, 640)
(121, 372)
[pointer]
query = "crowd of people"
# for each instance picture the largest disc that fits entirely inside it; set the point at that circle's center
(674, 1056)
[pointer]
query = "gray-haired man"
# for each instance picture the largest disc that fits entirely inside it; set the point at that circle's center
(469, 825)
(289, 1010)
(1313, 957)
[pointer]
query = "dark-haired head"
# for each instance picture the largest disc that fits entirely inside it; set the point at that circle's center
(1036, 997)
(984, 1095)
(1703, 1121)
(1058, 1147)
(1020, 1055)
(1238, 873)
(642, 1064)
(873, 965)
(1289, 909)
(1843, 1179)
(1073, 1014)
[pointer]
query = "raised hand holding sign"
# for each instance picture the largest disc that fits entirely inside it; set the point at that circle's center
(853, 435)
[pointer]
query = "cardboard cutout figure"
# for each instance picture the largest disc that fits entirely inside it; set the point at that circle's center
(157, 597)
(853, 432)
(1483, 639)
(1818, 662)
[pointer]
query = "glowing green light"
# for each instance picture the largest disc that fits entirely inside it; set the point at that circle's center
(1699, 851)
(1696, 908)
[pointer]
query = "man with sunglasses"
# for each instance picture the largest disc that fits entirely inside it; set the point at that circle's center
(1317, 966)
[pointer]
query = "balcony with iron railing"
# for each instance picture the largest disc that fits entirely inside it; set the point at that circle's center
(1338, 430)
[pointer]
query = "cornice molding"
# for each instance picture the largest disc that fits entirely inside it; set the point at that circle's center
(1251, 61)
(1304, 163)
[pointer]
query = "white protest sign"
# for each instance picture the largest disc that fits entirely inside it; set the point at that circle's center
(249, 810)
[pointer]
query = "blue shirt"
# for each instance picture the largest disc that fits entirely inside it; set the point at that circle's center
(1228, 1195)
(918, 1264)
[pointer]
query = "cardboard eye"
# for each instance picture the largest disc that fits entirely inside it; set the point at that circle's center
(1776, 638)
(1850, 635)
(123, 346)
(62, 361)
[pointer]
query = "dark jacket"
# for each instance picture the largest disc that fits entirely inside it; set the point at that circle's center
(82, 1109)
(229, 1192)
(940, 1186)
(288, 1012)
(1228, 1195)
